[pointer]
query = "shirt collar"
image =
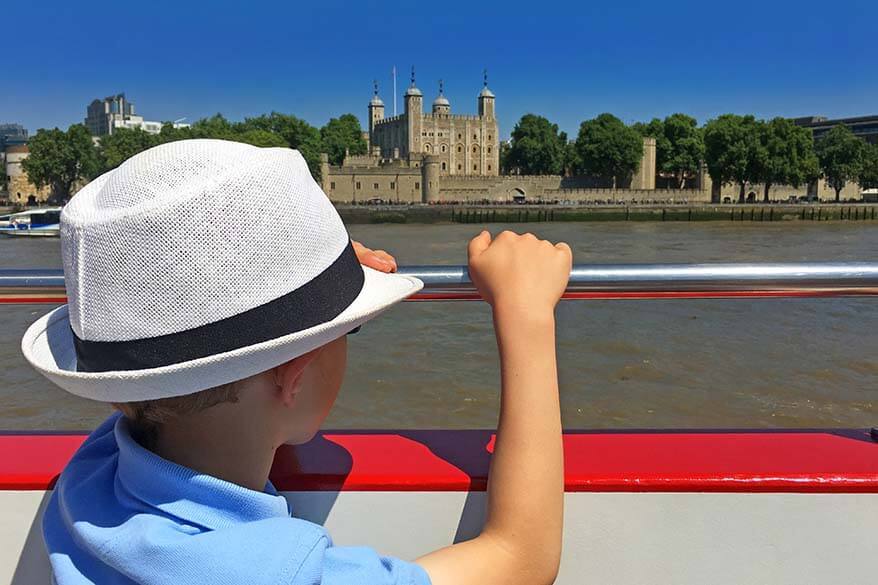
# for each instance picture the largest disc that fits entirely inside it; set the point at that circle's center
(185, 494)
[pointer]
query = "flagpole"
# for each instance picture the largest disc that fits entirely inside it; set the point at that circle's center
(394, 90)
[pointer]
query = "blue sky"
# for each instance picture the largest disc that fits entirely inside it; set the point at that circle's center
(568, 61)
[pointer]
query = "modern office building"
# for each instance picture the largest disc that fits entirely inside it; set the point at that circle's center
(116, 111)
(866, 127)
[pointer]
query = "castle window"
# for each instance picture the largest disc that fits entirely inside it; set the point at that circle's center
(475, 137)
(358, 184)
(443, 148)
(489, 167)
(460, 136)
(375, 186)
(392, 185)
(443, 166)
(417, 185)
(332, 185)
(459, 167)
(475, 149)
(475, 167)
(459, 148)
(489, 137)
(489, 150)
(426, 148)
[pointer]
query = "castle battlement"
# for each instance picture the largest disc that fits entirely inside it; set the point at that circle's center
(460, 117)
(390, 120)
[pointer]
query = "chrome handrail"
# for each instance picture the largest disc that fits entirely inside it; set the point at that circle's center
(587, 281)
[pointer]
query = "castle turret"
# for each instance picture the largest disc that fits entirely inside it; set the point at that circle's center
(376, 113)
(441, 105)
(324, 172)
(429, 179)
(486, 100)
(414, 111)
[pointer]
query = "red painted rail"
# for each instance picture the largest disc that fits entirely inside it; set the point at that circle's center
(602, 461)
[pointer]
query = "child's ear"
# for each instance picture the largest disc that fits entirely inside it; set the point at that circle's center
(288, 375)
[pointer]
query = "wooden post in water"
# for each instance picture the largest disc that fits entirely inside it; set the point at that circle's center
(771, 213)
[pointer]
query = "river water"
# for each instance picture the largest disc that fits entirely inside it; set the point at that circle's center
(623, 364)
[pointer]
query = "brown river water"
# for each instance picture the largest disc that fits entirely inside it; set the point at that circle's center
(623, 364)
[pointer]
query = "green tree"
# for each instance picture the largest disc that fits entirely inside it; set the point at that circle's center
(680, 150)
(170, 134)
(59, 160)
(655, 128)
(262, 138)
(217, 126)
(785, 155)
(608, 148)
(297, 133)
(122, 144)
(731, 150)
(505, 147)
(340, 135)
(869, 174)
(842, 157)
(536, 148)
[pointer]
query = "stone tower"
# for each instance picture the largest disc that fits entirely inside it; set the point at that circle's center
(486, 100)
(429, 179)
(376, 112)
(414, 109)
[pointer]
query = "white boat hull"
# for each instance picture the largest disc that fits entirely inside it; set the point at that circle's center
(706, 507)
(610, 538)
(31, 233)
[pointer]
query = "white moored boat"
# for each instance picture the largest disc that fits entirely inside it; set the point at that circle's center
(44, 222)
(682, 507)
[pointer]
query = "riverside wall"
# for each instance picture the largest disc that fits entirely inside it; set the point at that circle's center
(677, 212)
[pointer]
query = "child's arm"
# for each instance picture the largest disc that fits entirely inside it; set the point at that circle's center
(522, 278)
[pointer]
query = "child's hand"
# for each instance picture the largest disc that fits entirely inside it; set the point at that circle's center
(377, 259)
(519, 272)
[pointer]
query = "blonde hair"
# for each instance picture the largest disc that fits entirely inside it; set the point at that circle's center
(147, 416)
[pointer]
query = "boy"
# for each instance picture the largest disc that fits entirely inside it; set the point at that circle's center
(210, 286)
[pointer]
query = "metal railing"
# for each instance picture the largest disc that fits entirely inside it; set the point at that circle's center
(587, 281)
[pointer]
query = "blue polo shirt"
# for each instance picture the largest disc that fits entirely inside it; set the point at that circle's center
(122, 514)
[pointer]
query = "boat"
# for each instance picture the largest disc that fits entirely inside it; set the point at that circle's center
(683, 507)
(43, 222)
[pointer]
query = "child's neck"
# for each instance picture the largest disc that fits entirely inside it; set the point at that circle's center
(221, 442)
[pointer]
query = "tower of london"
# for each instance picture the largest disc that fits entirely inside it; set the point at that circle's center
(461, 144)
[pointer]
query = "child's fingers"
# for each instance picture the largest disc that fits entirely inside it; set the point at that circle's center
(479, 244)
(387, 258)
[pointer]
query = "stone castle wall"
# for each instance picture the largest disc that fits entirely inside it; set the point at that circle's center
(19, 189)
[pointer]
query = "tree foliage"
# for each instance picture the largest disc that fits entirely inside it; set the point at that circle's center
(122, 144)
(297, 133)
(679, 146)
(59, 160)
(842, 157)
(869, 174)
(537, 147)
(607, 148)
(785, 155)
(341, 135)
(731, 150)
(681, 151)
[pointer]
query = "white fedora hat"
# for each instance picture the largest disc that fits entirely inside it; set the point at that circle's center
(198, 263)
